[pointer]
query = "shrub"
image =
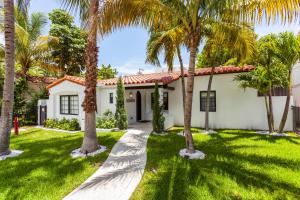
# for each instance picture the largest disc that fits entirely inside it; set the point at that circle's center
(121, 114)
(158, 118)
(106, 121)
(64, 124)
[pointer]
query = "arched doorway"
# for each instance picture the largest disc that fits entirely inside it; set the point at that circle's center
(138, 106)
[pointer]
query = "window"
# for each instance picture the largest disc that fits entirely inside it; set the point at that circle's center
(276, 92)
(166, 101)
(212, 101)
(111, 97)
(152, 100)
(69, 104)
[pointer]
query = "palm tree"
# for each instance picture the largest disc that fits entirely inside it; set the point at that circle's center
(289, 54)
(260, 79)
(170, 42)
(238, 39)
(8, 88)
(190, 17)
(31, 47)
(89, 11)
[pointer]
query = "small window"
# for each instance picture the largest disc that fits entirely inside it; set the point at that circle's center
(111, 97)
(152, 100)
(166, 100)
(212, 101)
(69, 104)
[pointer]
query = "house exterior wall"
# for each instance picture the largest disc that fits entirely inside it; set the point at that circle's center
(53, 104)
(236, 108)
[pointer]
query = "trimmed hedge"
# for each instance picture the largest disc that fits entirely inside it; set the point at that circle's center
(64, 124)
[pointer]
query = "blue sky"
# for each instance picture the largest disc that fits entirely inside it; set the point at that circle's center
(125, 49)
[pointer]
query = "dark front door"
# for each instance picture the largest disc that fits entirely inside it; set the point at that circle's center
(43, 114)
(138, 106)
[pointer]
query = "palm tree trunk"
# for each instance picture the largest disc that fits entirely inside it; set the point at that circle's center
(208, 98)
(268, 114)
(189, 98)
(8, 88)
(287, 105)
(182, 76)
(271, 110)
(90, 142)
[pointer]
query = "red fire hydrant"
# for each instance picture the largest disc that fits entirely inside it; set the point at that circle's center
(16, 125)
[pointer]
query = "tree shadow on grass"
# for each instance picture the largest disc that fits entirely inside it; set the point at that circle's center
(46, 168)
(226, 173)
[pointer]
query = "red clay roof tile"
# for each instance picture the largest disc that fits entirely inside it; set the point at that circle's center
(164, 77)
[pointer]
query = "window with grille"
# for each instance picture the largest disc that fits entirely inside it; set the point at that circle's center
(111, 97)
(69, 104)
(212, 101)
(165, 100)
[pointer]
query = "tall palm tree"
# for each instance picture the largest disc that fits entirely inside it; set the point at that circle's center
(31, 47)
(8, 88)
(190, 17)
(89, 11)
(238, 39)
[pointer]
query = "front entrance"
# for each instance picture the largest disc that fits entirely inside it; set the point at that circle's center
(138, 106)
(43, 114)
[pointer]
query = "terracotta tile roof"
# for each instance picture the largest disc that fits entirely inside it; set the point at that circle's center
(164, 77)
(74, 79)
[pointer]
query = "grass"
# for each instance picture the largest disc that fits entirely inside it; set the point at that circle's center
(46, 170)
(239, 165)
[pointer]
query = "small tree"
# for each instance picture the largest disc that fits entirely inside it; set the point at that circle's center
(121, 114)
(107, 72)
(157, 109)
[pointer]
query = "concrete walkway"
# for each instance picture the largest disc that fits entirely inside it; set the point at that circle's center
(120, 174)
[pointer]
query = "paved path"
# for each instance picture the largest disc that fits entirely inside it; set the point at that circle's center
(120, 174)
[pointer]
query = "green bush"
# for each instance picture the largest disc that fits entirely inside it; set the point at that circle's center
(106, 121)
(64, 124)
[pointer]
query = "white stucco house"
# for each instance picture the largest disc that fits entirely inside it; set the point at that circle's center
(231, 107)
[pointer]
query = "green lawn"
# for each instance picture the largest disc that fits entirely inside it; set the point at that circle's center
(239, 165)
(46, 170)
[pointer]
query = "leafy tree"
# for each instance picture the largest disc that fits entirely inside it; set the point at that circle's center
(190, 17)
(107, 72)
(32, 49)
(157, 110)
(68, 55)
(121, 114)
